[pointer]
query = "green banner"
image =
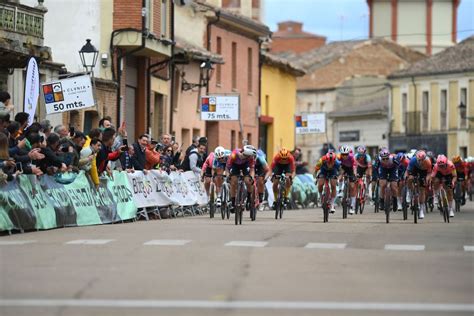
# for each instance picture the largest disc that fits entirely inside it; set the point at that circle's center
(122, 195)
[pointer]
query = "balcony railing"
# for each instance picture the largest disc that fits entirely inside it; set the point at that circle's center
(21, 20)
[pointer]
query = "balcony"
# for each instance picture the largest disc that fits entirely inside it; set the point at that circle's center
(21, 33)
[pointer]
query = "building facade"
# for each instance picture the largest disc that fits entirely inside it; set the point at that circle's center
(278, 104)
(432, 103)
(428, 26)
(290, 37)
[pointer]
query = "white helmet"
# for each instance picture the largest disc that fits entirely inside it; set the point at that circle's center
(219, 152)
(249, 150)
(345, 150)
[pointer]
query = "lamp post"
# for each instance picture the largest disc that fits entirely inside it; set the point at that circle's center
(205, 74)
(89, 54)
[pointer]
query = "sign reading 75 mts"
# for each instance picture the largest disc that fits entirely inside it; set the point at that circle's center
(68, 94)
(220, 108)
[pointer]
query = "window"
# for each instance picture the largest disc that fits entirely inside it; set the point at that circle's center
(404, 110)
(267, 104)
(249, 139)
(444, 110)
(249, 70)
(463, 108)
(164, 15)
(425, 111)
(234, 65)
(218, 67)
(463, 152)
(232, 140)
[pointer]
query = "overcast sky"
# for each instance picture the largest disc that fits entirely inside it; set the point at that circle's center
(343, 19)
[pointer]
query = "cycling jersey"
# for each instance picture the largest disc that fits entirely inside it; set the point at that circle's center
(208, 162)
(288, 163)
(389, 163)
(326, 171)
(363, 160)
(237, 159)
(462, 169)
(347, 161)
(402, 167)
(449, 170)
(218, 164)
(424, 165)
(261, 166)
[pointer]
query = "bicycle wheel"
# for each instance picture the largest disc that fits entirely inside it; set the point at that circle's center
(387, 207)
(457, 197)
(212, 202)
(362, 200)
(404, 203)
(344, 200)
(282, 205)
(253, 209)
(376, 198)
(325, 205)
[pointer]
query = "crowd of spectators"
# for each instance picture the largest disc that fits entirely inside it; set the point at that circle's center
(41, 149)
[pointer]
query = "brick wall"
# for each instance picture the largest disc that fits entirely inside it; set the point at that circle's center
(220, 133)
(127, 13)
(297, 45)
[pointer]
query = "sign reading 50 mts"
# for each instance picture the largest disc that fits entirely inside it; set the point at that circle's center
(220, 108)
(68, 94)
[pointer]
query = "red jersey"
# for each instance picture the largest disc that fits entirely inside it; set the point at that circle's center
(462, 167)
(277, 160)
(446, 171)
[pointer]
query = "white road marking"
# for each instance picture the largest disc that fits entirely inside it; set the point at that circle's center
(167, 242)
(405, 247)
(16, 242)
(468, 248)
(244, 243)
(89, 242)
(286, 305)
(315, 245)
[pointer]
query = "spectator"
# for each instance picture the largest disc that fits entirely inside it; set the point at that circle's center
(7, 164)
(153, 156)
(166, 160)
(22, 118)
(88, 154)
(106, 153)
(194, 145)
(105, 123)
(194, 160)
(300, 164)
(62, 131)
(177, 154)
(166, 140)
(4, 122)
(51, 162)
(126, 159)
(78, 141)
(140, 147)
(46, 127)
(5, 103)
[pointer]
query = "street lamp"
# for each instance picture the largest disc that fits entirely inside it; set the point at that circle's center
(205, 74)
(88, 54)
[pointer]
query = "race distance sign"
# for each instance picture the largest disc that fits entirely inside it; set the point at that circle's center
(68, 94)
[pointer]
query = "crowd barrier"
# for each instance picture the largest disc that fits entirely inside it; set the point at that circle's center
(29, 202)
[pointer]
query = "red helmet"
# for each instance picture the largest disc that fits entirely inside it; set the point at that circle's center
(330, 157)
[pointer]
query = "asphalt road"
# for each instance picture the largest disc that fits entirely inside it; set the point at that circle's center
(198, 266)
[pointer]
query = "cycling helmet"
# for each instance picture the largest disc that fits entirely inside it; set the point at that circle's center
(249, 151)
(219, 152)
(284, 153)
(420, 155)
(442, 160)
(361, 150)
(457, 159)
(384, 152)
(345, 150)
(330, 157)
(430, 154)
(400, 156)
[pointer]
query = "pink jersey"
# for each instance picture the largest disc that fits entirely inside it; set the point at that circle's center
(348, 161)
(209, 162)
(446, 171)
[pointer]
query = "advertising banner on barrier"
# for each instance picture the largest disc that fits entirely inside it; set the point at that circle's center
(195, 187)
(68, 94)
(144, 191)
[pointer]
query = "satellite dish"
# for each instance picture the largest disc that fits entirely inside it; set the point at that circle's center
(182, 2)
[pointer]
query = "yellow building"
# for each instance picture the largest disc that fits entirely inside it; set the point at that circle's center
(432, 103)
(278, 103)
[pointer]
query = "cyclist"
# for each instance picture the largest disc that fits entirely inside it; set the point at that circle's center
(402, 167)
(420, 165)
(283, 163)
(328, 167)
(241, 160)
(348, 165)
(444, 173)
(206, 171)
(218, 170)
(462, 171)
(388, 173)
(261, 170)
(375, 175)
(364, 163)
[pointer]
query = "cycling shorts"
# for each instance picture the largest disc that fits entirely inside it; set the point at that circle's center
(259, 170)
(446, 179)
(420, 173)
(235, 170)
(327, 174)
(389, 174)
(208, 172)
(349, 171)
(375, 173)
(361, 171)
(281, 169)
(461, 176)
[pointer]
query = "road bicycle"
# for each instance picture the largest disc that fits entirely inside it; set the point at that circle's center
(252, 202)
(225, 199)
(443, 203)
(212, 199)
(346, 201)
(405, 204)
(458, 195)
(240, 199)
(415, 199)
(280, 198)
(326, 200)
(375, 195)
(389, 204)
(360, 197)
